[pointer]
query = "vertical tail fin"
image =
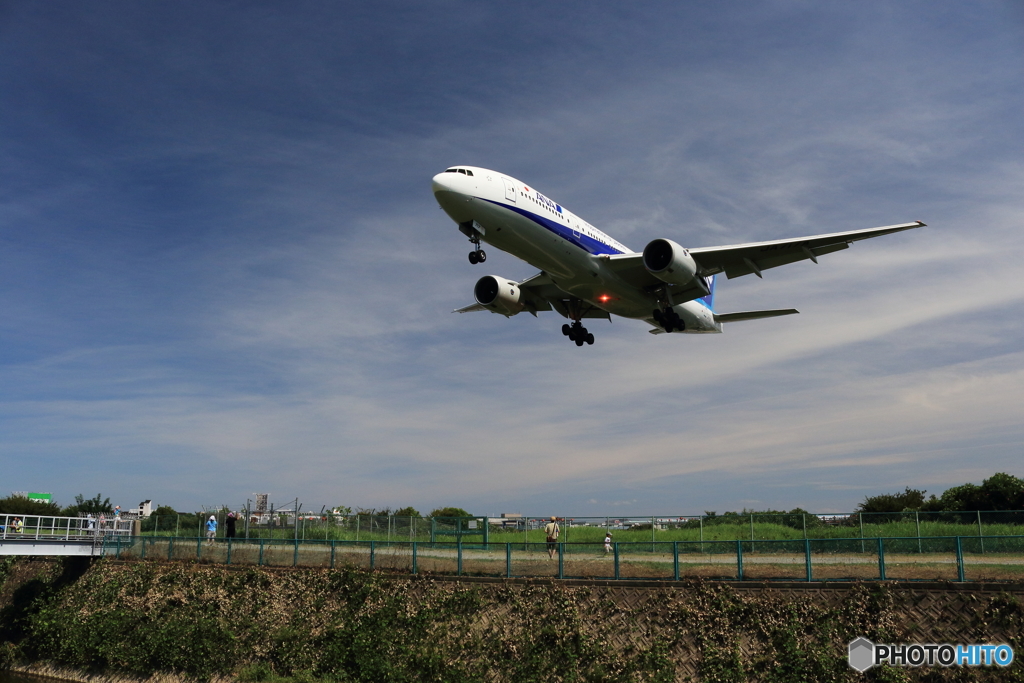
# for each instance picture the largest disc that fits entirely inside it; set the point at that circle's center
(709, 300)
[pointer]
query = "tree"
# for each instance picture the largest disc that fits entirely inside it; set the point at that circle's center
(407, 512)
(450, 512)
(910, 499)
(20, 505)
(164, 518)
(1001, 491)
(94, 505)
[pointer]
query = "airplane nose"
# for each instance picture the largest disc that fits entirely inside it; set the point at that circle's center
(442, 182)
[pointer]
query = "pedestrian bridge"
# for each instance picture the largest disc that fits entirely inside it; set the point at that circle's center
(45, 535)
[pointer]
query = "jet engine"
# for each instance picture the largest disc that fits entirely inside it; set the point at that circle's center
(669, 262)
(499, 295)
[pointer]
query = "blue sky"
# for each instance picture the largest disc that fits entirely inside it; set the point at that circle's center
(222, 270)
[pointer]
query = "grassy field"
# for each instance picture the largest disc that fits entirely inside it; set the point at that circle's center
(759, 531)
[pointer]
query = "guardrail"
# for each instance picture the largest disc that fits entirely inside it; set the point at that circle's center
(951, 558)
(42, 528)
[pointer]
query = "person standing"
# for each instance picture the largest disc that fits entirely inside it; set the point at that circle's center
(211, 528)
(551, 530)
(229, 526)
(607, 542)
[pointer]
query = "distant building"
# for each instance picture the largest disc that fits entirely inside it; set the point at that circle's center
(144, 510)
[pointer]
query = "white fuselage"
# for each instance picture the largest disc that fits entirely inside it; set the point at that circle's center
(517, 219)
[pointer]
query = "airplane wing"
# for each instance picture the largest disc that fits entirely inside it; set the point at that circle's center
(743, 259)
(540, 293)
(536, 292)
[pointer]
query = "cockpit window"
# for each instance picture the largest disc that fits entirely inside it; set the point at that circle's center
(462, 171)
(450, 170)
(468, 172)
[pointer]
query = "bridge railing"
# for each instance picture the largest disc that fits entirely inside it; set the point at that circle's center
(43, 527)
(950, 558)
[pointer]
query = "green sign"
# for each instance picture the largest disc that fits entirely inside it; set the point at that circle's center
(45, 497)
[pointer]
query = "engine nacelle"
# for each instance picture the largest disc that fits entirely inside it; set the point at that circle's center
(499, 294)
(669, 262)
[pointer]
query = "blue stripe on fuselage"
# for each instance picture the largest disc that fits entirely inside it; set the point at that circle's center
(580, 239)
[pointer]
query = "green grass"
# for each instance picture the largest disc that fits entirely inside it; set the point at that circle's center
(762, 531)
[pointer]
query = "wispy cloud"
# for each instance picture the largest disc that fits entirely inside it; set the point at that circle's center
(222, 270)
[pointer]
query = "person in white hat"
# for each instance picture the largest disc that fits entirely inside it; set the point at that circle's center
(211, 528)
(551, 532)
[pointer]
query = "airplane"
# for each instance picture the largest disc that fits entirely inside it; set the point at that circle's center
(585, 274)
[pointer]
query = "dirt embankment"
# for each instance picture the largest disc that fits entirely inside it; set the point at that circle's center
(137, 619)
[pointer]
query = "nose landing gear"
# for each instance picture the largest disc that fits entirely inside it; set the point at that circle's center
(478, 255)
(669, 319)
(577, 333)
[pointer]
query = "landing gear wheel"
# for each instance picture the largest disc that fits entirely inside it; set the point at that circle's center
(474, 257)
(566, 330)
(481, 256)
(579, 342)
(590, 339)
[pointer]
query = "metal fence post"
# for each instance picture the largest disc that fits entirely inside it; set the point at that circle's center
(261, 552)
(295, 555)
(199, 548)
(675, 560)
(372, 555)
(616, 548)
(917, 521)
(702, 534)
(807, 556)
(459, 552)
(739, 560)
(981, 534)
(414, 569)
(959, 560)
(143, 541)
(508, 560)
(561, 565)
(170, 549)
(117, 553)
(881, 559)
(332, 555)
(860, 517)
(229, 549)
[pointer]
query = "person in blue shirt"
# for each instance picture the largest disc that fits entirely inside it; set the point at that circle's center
(211, 528)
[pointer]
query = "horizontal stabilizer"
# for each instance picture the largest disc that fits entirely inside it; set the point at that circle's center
(752, 315)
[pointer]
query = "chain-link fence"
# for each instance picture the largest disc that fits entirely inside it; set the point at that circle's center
(526, 530)
(947, 558)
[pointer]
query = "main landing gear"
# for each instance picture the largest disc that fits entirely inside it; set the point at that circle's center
(669, 319)
(478, 255)
(577, 333)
